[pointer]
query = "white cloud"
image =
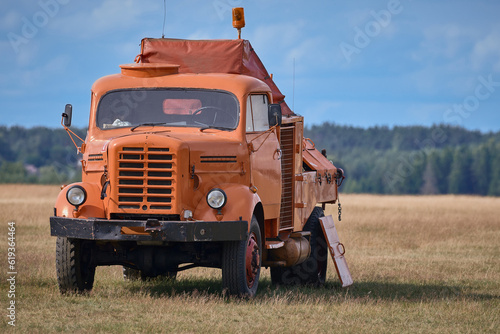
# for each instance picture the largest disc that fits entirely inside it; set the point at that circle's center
(321, 111)
(43, 73)
(110, 16)
(28, 53)
(129, 48)
(486, 53)
(442, 81)
(201, 34)
(444, 40)
(116, 14)
(10, 21)
(426, 113)
(307, 53)
(443, 58)
(357, 17)
(278, 36)
(285, 42)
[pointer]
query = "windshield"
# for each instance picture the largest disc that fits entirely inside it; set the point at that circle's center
(168, 107)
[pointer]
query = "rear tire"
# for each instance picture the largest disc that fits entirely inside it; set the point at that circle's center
(241, 263)
(75, 272)
(313, 270)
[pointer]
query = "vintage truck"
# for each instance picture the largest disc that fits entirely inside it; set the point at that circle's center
(192, 158)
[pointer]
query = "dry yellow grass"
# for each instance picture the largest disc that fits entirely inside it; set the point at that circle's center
(420, 264)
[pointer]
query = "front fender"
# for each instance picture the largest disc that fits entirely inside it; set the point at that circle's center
(241, 202)
(92, 208)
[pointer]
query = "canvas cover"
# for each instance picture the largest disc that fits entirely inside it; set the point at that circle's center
(210, 56)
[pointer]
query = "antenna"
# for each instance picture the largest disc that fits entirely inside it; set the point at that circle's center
(293, 87)
(164, 18)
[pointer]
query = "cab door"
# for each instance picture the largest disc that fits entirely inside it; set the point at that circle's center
(265, 154)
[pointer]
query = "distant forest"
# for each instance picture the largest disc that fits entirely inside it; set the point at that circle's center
(440, 159)
(38, 155)
(401, 160)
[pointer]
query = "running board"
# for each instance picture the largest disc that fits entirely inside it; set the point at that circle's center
(337, 250)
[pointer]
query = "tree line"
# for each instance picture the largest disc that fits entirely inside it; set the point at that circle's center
(38, 155)
(440, 159)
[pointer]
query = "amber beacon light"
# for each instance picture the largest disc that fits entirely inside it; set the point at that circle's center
(238, 19)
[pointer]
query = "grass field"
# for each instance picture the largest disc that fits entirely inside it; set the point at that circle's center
(427, 264)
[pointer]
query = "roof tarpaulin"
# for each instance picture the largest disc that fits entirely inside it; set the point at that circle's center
(211, 56)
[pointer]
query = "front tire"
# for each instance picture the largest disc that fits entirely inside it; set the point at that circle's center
(75, 272)
(241, 263)
(313, 270)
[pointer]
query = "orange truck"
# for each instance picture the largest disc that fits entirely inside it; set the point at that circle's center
(193, 159)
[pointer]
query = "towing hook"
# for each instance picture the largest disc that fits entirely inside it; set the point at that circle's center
(152, 225)
(339, 176)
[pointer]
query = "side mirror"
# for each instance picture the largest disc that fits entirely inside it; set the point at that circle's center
(274, 113)
(66, 116)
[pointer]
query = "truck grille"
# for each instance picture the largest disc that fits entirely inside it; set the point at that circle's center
(287, 177)
(145, 178)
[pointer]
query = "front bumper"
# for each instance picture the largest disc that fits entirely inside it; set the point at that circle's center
(150, 230)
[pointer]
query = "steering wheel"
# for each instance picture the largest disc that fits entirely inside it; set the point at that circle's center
(216, 110)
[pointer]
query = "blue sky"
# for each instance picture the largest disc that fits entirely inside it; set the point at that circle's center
(360, 63)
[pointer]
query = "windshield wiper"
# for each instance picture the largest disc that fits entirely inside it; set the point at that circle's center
(147, 124)
(215, 127)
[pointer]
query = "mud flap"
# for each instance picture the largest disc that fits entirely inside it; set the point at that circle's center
(337, 250)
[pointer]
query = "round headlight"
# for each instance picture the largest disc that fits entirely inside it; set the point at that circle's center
(216, 198)
(76, 195)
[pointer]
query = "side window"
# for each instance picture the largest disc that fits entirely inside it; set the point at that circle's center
(257, 114)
